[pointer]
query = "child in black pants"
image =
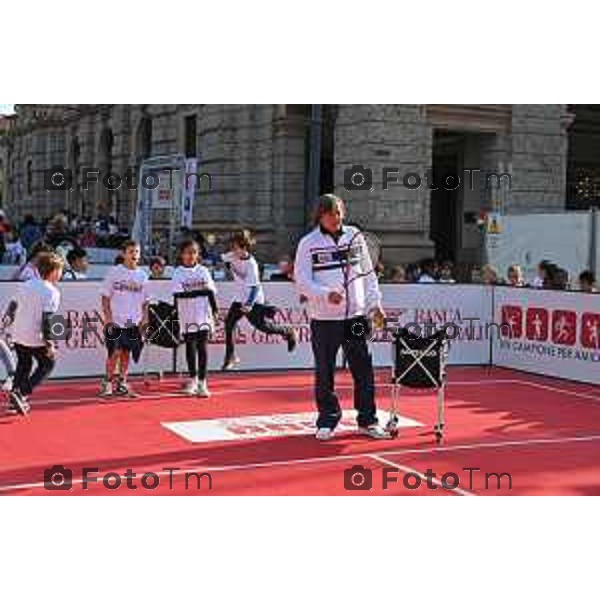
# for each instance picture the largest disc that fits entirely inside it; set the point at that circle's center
(194, 292)
(250, 299)
(38, 300)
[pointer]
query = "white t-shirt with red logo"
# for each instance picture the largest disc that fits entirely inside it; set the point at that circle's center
(127, 290)
(195, 314)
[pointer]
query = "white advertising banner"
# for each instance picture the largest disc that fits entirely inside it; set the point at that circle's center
(549, 332)
(467, 307)
(84, 354)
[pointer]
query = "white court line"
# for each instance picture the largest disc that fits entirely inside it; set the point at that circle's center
(158, 395)
(458, 490)
(558, 390)
(343, 458)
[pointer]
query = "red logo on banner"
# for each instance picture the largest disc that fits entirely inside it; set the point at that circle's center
(564, 327)
(536, 327)
(590, 330)
(513, 317)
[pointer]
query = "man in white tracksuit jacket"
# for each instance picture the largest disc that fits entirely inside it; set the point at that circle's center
(321, 258)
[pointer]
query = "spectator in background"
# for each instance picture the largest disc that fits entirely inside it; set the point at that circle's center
(587, 282)
(4, 229)
(101, 226)
(446, 273)
(157, 267)
(77, 265)
(552, 277)
(15, 253)
(30, 232)
(88, 238)
(542, 275)
(286, 269)
(113, 228)
(211, 256)
(561, 279)
(489, 275)
(413, 273)
(29, 270)
(58, 226)
(427, 271)
(514, 276)
(398, 275)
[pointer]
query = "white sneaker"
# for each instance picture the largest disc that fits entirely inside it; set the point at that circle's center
(191, 387)
(106, 388)
(375, 431)
(324, 433)
(202, 390)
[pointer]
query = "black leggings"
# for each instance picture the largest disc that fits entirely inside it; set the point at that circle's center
(24, 382)
(195, 353)
(259, 316)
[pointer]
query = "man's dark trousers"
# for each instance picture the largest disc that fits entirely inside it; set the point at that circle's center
(327, 337)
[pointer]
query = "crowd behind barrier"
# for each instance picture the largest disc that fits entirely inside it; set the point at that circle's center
(100, 239)
(552, 332)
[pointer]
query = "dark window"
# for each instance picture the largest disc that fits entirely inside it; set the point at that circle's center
(29, 177)
(190, 136)
(144, 142)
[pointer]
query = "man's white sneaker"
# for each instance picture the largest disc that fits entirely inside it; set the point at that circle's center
(324, 433)
(375, 431)
(191, 387)
(203, 391)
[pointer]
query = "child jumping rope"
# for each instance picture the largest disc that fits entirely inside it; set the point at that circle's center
(250, 299)
(125, 305)
(194, 293)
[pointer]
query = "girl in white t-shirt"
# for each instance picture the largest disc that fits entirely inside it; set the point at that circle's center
(125, 306)
(194, 293)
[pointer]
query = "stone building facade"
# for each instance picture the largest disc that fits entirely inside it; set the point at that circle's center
(258, 157)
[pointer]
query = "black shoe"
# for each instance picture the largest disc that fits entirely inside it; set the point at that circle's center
(123, 389)
(18, 404)
(292, 340)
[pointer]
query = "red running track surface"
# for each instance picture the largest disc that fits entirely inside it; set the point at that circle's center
(544, 433)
